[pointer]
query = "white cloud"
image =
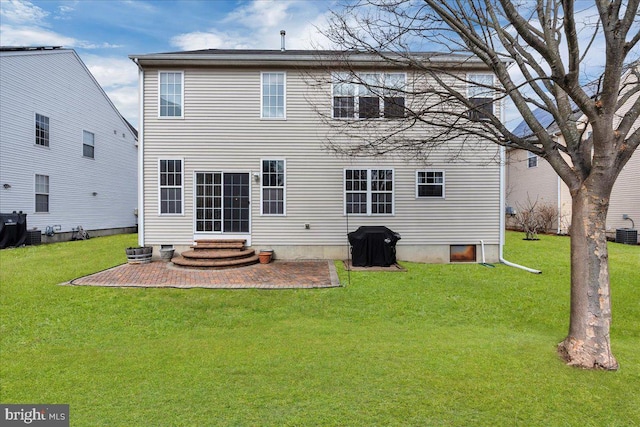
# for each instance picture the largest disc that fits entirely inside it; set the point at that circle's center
(21, 12)
(33, 36)
(210, 40)
(112, 72)
(257, 14)
(257, 25)
(119, 79)
(125, 99)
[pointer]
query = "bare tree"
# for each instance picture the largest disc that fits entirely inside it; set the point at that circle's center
(546, 44)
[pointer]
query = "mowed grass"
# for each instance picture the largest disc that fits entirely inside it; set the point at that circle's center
(438, 345)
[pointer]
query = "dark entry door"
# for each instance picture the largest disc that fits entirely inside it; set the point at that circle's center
(222, 202)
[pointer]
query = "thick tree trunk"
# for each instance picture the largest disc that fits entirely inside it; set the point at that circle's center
(588, 344)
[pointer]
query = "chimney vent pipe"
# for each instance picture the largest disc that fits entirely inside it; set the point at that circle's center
(282, 34)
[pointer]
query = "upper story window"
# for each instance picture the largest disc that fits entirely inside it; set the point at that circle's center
(532, 160)
(430, 184)
(171, 186)
(369, 95)
(42, 193)
(171, 90)
(88, 144)
(368, 191)
(480, 93)
(42, 130)
(273, 181)
(273, 95)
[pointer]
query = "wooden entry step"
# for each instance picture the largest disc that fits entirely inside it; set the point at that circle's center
(217, 254)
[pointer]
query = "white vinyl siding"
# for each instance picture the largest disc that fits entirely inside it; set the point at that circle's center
(171, 94)
(220, 134)
(54, 83)
(274, 95)
(273, 187)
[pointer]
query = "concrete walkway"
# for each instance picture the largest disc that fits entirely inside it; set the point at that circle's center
(276, 275)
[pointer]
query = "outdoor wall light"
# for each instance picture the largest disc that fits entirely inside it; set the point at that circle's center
(94, 193)
(256, 176)
(7, 186)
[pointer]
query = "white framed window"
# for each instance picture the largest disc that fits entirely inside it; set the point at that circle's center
(42, 130)
(273, 91)
(368, 95)
(42, 193)
(480, 93)
(368, 191)
(88, 144)
(171, 186)
(272, 191)
(170, 94)
(430, 184)
(532, 160)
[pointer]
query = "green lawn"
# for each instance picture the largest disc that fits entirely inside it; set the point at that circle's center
(439, 345)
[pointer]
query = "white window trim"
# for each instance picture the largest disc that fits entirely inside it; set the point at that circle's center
(284, 187)
(530, 156)
(444, 187)
(35, 193)
(181, 116)
(356, 96)
(181, 159)
(470, 84)
(94, 144)
(369, 191)
(284, 106)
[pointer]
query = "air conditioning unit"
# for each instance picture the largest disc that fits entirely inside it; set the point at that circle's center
(628, 236)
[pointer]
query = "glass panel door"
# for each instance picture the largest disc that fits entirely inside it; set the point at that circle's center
(222, 202)
(236, 202)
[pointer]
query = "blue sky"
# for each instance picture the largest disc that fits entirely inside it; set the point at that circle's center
(105, 32)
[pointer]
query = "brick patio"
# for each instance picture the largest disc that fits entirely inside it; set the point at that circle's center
(276, 275)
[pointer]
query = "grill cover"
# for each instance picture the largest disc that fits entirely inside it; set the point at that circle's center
(13, 229)
(373, 246)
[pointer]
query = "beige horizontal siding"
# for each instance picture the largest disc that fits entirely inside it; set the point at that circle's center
(222, 131)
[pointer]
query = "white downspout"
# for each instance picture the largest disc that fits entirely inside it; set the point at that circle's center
(502, 206)
(140, 154)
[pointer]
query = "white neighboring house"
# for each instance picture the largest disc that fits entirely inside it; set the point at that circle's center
(233, 145)
(67, 156)
(531, 178)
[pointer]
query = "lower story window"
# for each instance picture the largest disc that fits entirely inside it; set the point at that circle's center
(368, 191)
(532, 160)
(171, 186)
(430, 184)
(273, 179)
(42, 193)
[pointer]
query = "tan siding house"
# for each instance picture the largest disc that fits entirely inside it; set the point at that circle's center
(528, 182)
(233, 145)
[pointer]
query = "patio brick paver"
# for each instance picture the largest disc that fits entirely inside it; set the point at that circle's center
(276, 275)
